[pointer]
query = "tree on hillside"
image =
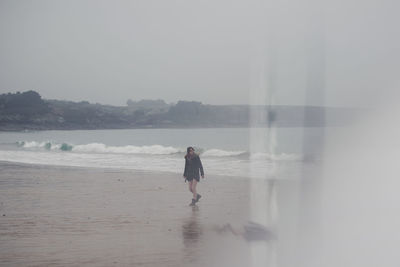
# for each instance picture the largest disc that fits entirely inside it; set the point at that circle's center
(26, 103)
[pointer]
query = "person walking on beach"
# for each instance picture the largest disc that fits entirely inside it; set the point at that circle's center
(191, 174)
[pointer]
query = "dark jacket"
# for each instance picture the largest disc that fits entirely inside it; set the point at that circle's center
(192, 167)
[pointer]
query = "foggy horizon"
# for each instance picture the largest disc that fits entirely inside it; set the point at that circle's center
(109, 52)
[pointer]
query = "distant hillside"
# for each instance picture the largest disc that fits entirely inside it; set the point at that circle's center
(28, 111)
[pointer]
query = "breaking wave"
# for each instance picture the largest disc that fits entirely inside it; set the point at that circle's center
(100, 148)
(275, 157)
(222, 153)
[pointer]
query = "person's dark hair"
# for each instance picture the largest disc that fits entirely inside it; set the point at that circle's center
(188, 149)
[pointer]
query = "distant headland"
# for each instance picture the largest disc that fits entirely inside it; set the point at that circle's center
(29, 111)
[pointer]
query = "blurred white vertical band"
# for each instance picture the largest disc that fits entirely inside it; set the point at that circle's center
(298, 229)
(262, 138)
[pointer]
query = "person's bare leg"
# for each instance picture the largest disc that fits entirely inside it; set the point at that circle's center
(191, 190)
(190, 186)
(194, 188)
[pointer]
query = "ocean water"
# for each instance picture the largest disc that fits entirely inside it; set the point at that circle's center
(224, 151)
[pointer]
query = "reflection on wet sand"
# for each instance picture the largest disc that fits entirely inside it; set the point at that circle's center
(191, 229)
(249, 232)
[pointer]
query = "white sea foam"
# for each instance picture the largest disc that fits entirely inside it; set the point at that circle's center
(100, 148)
(41, 145)
(149, 158)
(226, 166)
(221, 153)
(129, 149)
(274, 157)
(31, 144)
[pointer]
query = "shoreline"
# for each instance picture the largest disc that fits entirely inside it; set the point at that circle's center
(112, 169)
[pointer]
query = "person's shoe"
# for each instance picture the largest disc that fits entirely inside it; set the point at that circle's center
(198, 197)
(193, 202)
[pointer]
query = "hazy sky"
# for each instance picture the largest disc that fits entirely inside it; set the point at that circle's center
(214, 51)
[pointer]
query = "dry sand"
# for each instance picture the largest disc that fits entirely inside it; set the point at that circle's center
(62, 216)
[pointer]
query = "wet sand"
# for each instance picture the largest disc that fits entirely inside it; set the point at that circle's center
(63, 216)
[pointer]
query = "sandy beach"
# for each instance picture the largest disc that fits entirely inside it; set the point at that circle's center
(64, 216)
